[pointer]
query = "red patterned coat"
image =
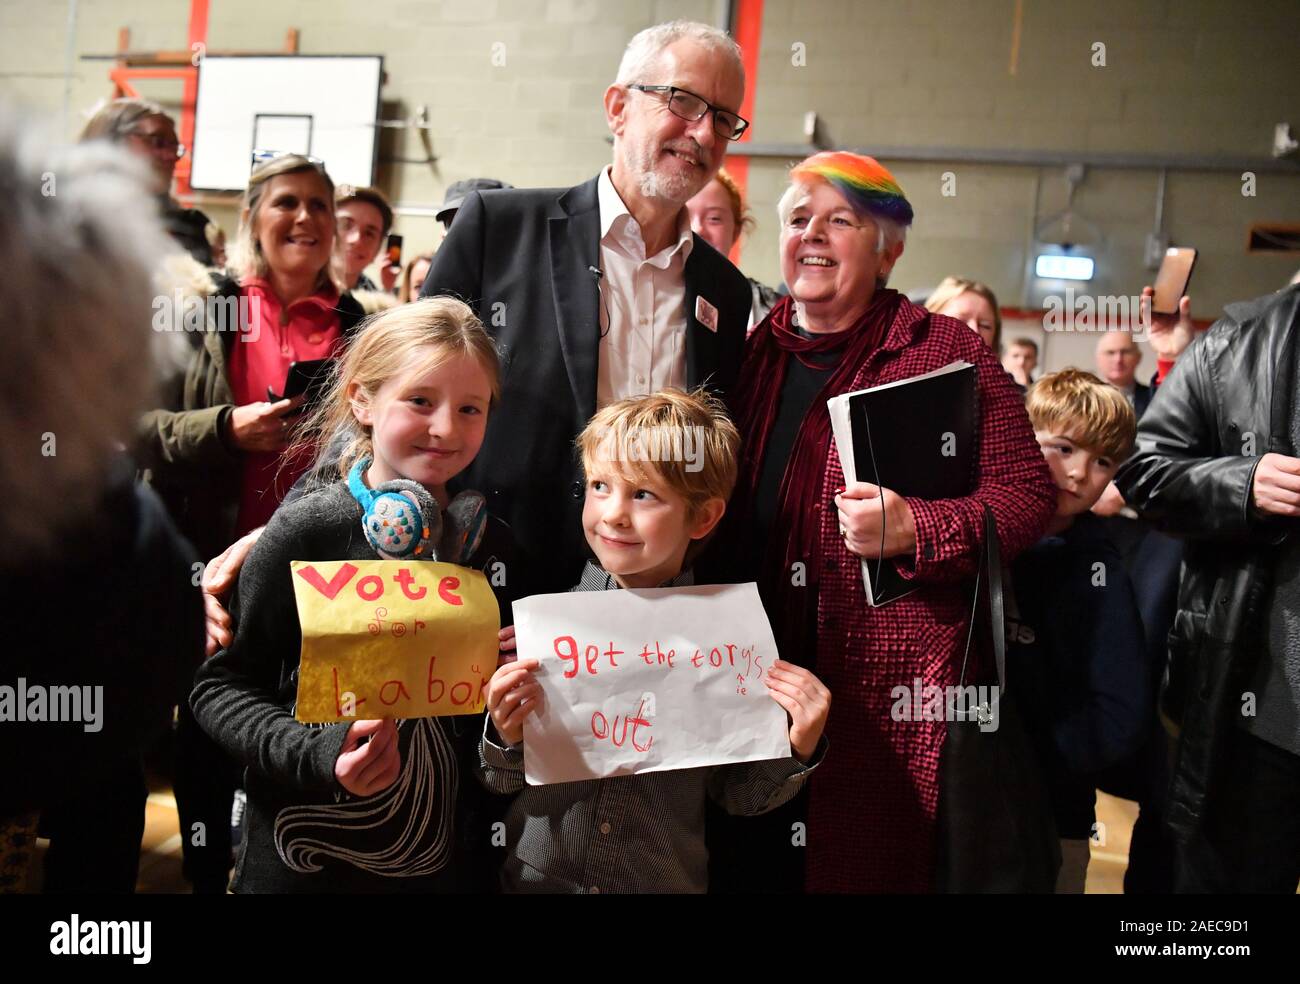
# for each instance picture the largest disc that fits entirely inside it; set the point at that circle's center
(872, 807)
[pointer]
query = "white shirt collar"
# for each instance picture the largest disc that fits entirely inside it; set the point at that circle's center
(594, 578)
(617, 226)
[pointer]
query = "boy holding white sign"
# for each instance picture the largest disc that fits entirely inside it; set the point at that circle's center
(644, 519)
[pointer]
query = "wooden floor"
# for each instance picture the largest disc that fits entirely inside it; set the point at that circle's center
(160, 856)
(1106, 869)
(160, 852)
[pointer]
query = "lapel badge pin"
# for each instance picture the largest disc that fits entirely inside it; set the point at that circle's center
(706, 314)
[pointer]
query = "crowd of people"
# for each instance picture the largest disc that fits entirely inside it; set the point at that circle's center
(1149, 583)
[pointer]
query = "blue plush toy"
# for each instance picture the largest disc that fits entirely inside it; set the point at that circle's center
(402, 521)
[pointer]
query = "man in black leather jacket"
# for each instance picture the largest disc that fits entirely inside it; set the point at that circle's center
(1217, 466)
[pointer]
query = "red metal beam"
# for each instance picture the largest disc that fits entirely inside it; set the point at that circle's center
(198, 35)
(748, 32)
(123, 74)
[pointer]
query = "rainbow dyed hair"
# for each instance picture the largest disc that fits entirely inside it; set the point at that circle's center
(864, 181)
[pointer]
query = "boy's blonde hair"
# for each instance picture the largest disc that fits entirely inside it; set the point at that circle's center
(1077, 403)
(672, 428)
(386, 346)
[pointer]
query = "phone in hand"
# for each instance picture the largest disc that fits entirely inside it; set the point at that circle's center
(1172, 279)
(394, 249)
(307, 377)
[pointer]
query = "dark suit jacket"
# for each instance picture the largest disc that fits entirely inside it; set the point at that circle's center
(1142, 397)
(522, 259)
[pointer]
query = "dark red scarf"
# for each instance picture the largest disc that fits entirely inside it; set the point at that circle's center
(794, 537)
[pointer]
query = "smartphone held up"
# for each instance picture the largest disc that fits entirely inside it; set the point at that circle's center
(1172, 279)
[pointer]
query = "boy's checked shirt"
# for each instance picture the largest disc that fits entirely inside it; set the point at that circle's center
(638, 833)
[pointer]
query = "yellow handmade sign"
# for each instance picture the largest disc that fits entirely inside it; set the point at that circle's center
(393, 638)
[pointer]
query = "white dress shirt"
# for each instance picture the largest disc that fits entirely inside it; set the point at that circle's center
(642, 304)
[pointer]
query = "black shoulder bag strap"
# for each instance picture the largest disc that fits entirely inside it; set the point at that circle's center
(995, 830)
(990, 566)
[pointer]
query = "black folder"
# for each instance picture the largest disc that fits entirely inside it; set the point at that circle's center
(915, 436)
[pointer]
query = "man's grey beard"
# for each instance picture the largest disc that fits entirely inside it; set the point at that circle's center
(678, 189)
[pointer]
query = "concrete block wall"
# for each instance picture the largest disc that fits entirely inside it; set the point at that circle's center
(1181, 77)
(536, 120)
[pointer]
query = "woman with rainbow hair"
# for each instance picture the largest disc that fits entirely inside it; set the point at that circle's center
(870, 812)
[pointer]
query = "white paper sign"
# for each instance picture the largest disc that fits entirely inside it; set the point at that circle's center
(647, 680)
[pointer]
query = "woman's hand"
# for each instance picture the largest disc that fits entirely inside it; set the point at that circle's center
(805, 699)
(370, 759)
(512, 695)
(218, 578)
(263, 426)
(861, 519)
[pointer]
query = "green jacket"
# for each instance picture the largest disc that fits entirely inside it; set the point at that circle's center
(184, 447)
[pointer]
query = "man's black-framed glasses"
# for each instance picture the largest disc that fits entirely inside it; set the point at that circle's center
(690, 107)
(158, 141)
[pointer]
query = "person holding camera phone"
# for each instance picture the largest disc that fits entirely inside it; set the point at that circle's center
(364, 219)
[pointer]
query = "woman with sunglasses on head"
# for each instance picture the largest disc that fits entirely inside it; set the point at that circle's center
(219, 459)
(217, 456)
(144, 128)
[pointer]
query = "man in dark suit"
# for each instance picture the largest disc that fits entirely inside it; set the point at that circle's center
(1117, 361)
(601, 291)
